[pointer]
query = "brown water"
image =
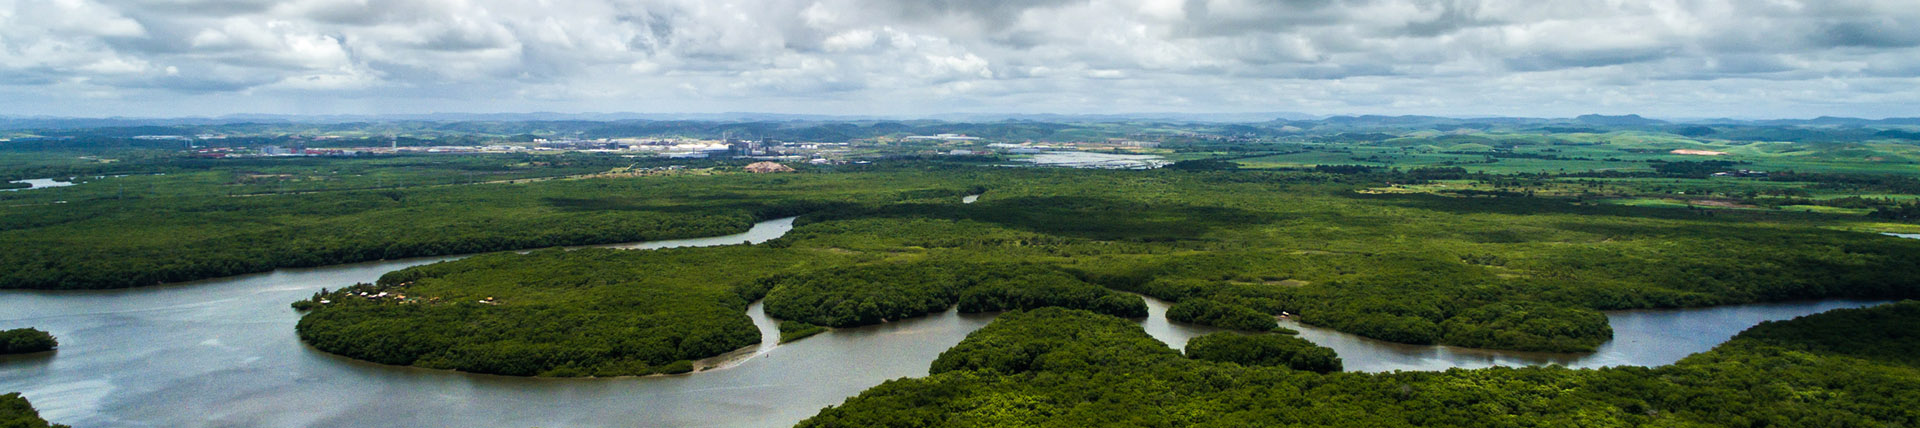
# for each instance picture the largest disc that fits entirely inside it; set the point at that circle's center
(222, 353)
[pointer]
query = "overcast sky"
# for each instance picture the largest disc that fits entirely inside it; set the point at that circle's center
(1679, 58)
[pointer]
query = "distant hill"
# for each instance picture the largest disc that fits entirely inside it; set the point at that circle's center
(1627, 120)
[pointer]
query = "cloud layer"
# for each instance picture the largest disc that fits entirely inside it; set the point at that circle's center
(1686, 58)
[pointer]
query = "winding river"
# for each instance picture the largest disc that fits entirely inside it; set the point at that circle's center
(222, 352)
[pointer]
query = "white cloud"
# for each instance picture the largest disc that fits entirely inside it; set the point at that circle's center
(1463, 57)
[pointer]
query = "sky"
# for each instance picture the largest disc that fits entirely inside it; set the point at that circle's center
(1533, 58)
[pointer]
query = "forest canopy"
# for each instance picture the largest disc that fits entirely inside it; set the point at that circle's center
(1057, 367)
(26, 341)
(1228, 248)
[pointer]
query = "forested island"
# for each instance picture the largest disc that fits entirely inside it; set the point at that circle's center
(26, 341)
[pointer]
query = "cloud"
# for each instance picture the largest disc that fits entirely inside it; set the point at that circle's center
(1460, 57)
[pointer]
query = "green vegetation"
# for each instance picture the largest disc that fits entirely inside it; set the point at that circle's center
(1264, 350)
(876, 293)
(1206, 311)
(795, 330)
(1233, 248)
(867, 294)
(129, 231)
(1056, 367)
(26, 341)
(1506, 234)
(590, 312)
(1527, 326)
(16, 412)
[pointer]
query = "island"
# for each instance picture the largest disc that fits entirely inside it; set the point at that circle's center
(26, 341)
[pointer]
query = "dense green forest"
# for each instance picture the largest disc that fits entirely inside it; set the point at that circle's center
(588, 312)
(26, 341)
(875, 293)
(1230, 248)
(1059, 367)
(16, 412)
(1274, 350)
(1207, 311)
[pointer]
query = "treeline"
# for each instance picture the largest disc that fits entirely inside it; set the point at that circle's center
(1691, 169)
(1055, 367)
(1207, 311)
(880, 292)
(1888, 334)
(117, 243)
(1270, 350)
(1898, 212)
(16, 412)
(590, 312)
(26, 341)
(1527, 326)
(795, 330)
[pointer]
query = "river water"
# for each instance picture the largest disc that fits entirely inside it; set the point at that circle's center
(222, 353)
(38, 183)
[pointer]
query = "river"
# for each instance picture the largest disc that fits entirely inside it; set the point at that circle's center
(222, 352)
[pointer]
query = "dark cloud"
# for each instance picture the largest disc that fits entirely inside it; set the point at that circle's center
(1871, 34)
(1453, 17)
(1546, 61)
(995, 14)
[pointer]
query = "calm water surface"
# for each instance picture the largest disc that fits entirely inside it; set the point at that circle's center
(222, 353)
(39, 183)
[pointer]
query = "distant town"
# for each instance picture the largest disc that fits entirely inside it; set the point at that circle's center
(676, 148)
